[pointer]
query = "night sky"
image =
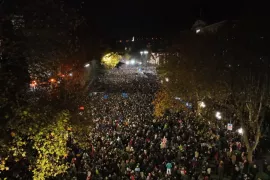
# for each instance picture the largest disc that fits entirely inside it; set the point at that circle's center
(127, 18)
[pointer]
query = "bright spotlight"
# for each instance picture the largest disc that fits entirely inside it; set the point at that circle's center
(141, 52)
(198, 30)
(70, 74)
(127, 62)
(218, 115)
(240, 131)
(87, 65)
(145, 52)
(132, 61)
(167, 79)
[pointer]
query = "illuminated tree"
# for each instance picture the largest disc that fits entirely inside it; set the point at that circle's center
(162, 102)
(165, 101)
(39, 138)
(110, 60)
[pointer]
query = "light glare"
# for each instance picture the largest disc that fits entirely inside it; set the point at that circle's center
(202, 104)
(218, 115)
(240, 131)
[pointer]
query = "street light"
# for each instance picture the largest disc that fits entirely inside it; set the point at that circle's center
(70, 74)
(87, 65)
(52, 80)
(144, 52)
(202, 104)
(218, 115)
(240, 131)
(132, 61)
(198, 30)
(167, 79)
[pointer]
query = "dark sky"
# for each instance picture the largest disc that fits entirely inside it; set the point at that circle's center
(146, 17)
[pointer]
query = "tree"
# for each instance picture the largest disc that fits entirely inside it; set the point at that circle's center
(248, 83)
(191, 72)
(48, 29)
(110, 60)
(165, 101)
(14, 76)
(39, 139)
(249, 105)
(230, 69)
(162, 102)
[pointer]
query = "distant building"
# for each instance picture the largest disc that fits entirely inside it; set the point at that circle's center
(136, 44)
(18, 22)
(201, 27)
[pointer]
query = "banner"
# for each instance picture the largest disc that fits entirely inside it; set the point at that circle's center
(229, 127)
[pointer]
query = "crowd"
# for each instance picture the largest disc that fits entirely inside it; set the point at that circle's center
(129, 143)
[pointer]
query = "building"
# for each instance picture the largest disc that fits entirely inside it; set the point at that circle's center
(201, 27)
(136, 44)
(17, 22)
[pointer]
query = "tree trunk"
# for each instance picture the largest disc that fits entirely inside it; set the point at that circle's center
(249, 156)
